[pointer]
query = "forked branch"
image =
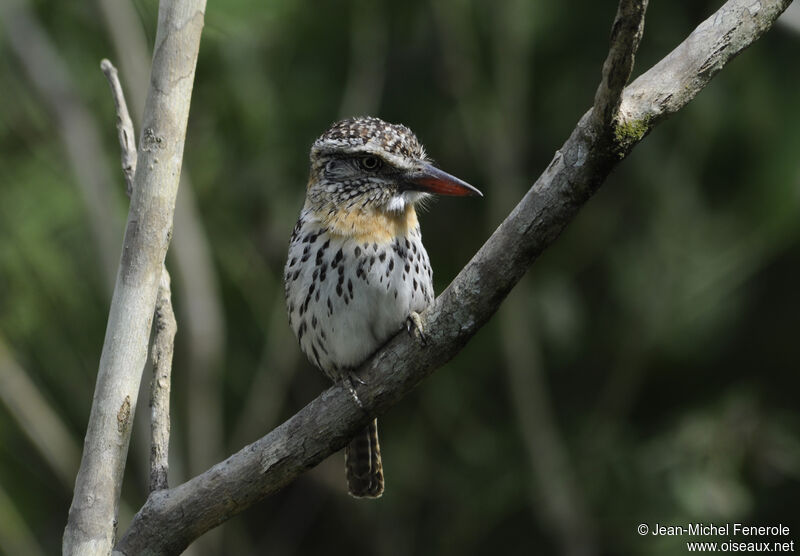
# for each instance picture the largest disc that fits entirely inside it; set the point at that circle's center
(626, 33)
(166, 326)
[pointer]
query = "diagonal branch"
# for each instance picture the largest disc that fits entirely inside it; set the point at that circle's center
(93, 513)
(171, 519)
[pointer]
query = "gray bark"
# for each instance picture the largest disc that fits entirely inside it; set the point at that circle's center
(161, 355)
(166, 327)
(92, 517)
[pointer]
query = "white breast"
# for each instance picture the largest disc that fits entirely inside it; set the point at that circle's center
(346, 298)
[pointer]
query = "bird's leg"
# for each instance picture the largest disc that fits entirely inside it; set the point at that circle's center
(414, 327)
(348, 378)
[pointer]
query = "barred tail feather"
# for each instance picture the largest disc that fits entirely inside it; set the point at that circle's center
(362, 460)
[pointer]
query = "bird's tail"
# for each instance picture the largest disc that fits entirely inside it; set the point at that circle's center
(362, 460)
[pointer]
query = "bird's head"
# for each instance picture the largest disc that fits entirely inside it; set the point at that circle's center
(365, 167)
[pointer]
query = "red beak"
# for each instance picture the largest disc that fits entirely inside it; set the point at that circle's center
(432, 180)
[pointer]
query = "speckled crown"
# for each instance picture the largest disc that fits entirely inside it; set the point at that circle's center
(369, 134)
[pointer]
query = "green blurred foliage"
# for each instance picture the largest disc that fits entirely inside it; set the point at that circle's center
(666, 316)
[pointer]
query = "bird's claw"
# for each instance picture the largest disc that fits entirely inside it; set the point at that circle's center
(348, 379)
(414, 327)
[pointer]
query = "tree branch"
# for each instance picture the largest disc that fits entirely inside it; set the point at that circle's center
(165, 324)
(127, 139)
(161, 354)
(92, 516)
(171, 519)
(202, 317)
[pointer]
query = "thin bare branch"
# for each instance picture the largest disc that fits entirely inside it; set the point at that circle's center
(171, 519)
(626, 33)
(127, 139)
(161, 354)
(93, 513)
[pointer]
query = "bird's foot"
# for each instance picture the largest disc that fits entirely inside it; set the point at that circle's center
(414, 327)
(348, 379)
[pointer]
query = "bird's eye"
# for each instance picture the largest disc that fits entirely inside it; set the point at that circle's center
(371, 163)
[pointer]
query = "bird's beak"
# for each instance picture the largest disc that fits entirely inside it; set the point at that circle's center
(429, 179)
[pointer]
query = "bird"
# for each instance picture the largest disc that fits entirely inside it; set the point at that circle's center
(356, 271)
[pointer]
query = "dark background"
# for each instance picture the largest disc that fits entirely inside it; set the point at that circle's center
(645, 370)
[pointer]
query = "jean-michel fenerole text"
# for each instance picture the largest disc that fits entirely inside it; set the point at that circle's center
(726, 529)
